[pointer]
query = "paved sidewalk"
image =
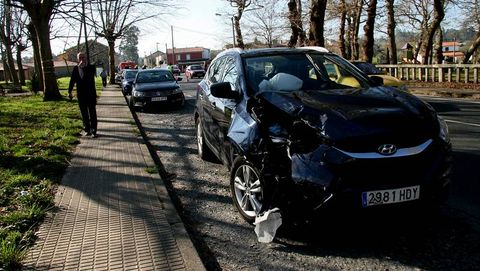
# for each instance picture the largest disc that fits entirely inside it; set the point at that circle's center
(111, 214)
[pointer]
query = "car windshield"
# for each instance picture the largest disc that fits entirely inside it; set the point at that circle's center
(367, 68)
(301, 71)
(130, 74)
(196, 67)
(154, 76)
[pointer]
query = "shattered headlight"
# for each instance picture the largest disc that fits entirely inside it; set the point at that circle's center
(443, 131)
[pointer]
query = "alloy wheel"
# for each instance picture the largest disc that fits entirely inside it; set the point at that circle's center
(248, 190)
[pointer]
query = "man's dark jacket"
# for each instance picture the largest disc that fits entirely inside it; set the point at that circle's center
(86, 92)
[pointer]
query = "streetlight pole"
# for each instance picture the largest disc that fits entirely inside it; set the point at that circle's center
(233, 27)
(233, 21)
(233, 31)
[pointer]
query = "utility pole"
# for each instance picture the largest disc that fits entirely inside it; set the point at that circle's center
(173, 48)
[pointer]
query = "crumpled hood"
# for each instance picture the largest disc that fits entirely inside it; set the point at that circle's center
(359, 120)
(156, 86)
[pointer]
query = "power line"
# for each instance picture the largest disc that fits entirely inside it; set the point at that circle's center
(194, 31)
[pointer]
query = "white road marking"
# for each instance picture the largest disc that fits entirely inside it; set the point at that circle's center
(461, 122)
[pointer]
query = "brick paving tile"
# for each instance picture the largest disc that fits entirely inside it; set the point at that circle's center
(109, 213)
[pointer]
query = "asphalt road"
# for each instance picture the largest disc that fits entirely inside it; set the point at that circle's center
(463, 119)
(447, 241)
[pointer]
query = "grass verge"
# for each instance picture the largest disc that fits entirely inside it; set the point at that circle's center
(36, 142)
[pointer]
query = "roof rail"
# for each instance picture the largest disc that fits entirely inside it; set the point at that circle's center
(316, 48)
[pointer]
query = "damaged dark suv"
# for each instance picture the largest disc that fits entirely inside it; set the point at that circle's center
(303, 130)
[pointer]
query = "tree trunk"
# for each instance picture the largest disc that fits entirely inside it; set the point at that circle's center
(369, 28)
(51, 92)
(392, 43)
(6, 69)
(292, 17)
(355, 46)
(438, 46)
(471, 50)
(21, 73)
(317, 21)
(341, 35)
(301, 32)
(111, 59)
(36, 55)
(348, 41)
(6, 37)
(238, 30)
(40, 13)
(439, 14)
(11, 63)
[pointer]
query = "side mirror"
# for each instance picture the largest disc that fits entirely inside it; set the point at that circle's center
(377, 80)
(223, 90)
(179, 79)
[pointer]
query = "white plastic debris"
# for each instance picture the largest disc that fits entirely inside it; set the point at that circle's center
(24, 193)
(266, 225)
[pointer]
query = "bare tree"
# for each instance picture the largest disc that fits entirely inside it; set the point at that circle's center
(302, 37)
(391, 25)
(425, 16)
(40, 13)
(240, 6)
(110, 19)
(267, 22)
(295, 20)
(438, 54)
(341, 35)
(369, 29)
(317, 21)
(20, 21)
(439, 14)
(6, 36)
(32, 34)
(472, 9)
(354, 13)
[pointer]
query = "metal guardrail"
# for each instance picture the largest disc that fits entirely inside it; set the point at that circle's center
(461, 73)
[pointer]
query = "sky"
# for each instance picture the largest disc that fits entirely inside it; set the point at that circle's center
(194, 24)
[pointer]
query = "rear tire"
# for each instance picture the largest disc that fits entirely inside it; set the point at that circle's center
(247, 188)
(204, 151)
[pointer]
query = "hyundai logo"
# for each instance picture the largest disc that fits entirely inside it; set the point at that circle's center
(387, 149)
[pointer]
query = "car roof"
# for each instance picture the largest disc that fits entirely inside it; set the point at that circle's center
(155, 69)
(275, 50)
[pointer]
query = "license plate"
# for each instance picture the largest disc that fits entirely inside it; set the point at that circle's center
(389, 196)
(157, 99)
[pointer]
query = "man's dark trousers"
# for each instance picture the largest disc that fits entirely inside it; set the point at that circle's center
(89, 115)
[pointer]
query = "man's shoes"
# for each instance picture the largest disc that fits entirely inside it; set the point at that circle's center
(87, 134)
(93, 134)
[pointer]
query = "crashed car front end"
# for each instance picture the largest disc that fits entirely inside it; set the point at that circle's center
(323, 151)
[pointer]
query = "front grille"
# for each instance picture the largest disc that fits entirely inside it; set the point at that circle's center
(392, 172)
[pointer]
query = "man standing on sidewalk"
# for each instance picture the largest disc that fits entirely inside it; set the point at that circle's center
(103, 74)
(83, 75)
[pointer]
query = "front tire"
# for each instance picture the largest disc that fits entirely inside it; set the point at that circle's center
(247, 188)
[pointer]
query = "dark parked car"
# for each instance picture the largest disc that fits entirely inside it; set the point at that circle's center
(193, 71)
(156, 86)
(298, 139)
(127, 80)
(175, 70)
